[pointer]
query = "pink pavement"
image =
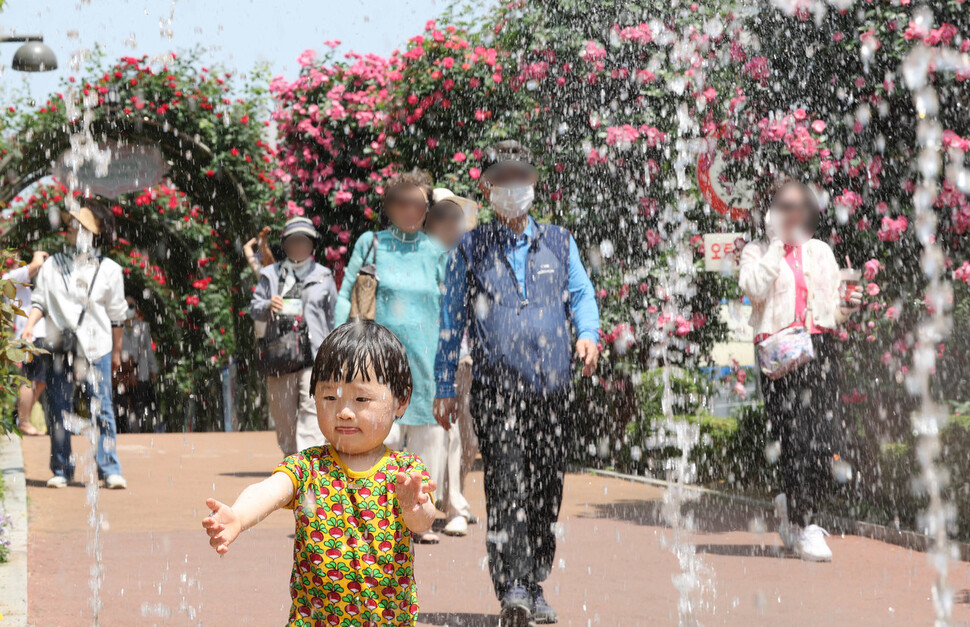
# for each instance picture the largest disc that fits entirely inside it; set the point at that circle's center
(613, 567)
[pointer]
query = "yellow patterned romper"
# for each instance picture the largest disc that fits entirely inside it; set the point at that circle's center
(352, 560)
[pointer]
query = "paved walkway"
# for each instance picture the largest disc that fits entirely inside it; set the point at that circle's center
(613, 567)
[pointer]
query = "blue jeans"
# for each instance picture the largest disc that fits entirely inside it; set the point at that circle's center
(97, 388)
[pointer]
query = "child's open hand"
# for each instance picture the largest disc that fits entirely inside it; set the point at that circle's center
(411, 492)
(222, 525)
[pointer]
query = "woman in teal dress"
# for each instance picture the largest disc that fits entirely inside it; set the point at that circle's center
(410, 271)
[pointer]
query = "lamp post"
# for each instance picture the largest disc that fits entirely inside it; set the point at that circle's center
(33, 56)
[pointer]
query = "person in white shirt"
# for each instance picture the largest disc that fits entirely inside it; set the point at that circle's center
(35, 370)
(82, 297)
(793, 280)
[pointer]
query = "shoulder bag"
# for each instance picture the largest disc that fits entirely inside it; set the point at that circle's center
(363, 298)
(783, 352)
(285, 348)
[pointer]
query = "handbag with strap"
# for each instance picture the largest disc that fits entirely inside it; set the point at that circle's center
(790, 348)
(66, 344)
(285, 348)
(782, 352)
(363, 298)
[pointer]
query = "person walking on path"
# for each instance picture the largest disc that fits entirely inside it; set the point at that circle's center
(356, 504)
(519, 288)
(35, 370)
(448, 220)
(135, 380)
(295, 299)
(410, 271)
(793, 282)
(81, 295)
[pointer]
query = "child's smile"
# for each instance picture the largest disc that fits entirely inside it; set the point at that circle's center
(356, 416)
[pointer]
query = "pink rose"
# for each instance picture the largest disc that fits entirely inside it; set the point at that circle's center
(459, 157)
(963, 273)
(818, 126)
(849, 199)
(952, 140)
(871, 269)
(683, 326)
(593, 52)
(872, 289)
(623, 136)
(342, 197)
(892, 229)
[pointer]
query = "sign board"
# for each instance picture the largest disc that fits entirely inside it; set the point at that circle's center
(130, 168)
(720, 252)
(733, 199)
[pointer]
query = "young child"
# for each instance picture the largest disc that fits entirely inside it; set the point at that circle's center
(356, 503)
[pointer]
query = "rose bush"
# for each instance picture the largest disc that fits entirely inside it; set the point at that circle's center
(348, 124)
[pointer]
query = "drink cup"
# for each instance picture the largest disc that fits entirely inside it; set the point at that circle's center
(851, 282)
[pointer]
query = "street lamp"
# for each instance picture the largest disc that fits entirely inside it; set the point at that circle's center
(33, 56)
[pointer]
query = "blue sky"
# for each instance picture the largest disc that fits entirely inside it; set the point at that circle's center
(235, 33)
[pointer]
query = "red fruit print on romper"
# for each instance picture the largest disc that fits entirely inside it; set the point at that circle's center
(339, 553)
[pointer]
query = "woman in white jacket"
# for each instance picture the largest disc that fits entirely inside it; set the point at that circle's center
(793, 280)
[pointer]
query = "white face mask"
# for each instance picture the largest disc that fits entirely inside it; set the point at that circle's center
(514, 201)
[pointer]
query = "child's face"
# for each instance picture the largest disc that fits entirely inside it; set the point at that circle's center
(356, 417)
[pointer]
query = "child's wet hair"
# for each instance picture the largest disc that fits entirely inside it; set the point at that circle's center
(361, 348)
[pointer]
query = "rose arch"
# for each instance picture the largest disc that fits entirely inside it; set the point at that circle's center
(199, 185)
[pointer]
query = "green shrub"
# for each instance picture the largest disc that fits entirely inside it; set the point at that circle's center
(625, 429)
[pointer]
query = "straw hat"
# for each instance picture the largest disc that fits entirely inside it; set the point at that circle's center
(468, 206)
(86, 218)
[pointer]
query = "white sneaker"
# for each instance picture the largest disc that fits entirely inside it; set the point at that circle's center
(457, 526)
(811, 545)
(789, 532)
(115, 482)
(57, 481)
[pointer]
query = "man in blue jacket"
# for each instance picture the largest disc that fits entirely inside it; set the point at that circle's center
(519, 289)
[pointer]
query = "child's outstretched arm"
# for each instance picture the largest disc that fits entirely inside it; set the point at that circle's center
(414, 496)
(254, 504)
